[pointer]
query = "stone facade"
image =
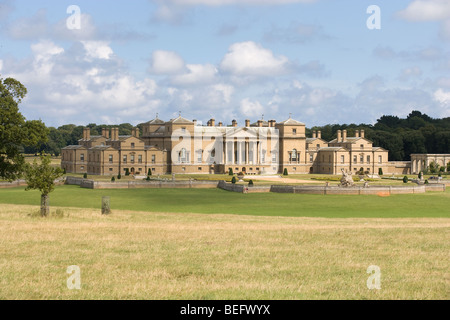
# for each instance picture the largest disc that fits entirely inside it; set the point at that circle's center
(419, 162)
(181, 146)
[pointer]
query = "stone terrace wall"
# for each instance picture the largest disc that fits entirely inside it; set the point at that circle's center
(91, 184)
(356, 190)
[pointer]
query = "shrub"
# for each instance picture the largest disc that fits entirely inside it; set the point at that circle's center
(380, 172)
(148, 178)
(426, 181)
(440, 174)
(420, 175)
(85, 176)
(64, 171)
(149, 173)
(127, 172)
(285, 172)
(233, 180)
(113, 179)
(230, 172)
(250, 183)
(119, 176)
(405, 179)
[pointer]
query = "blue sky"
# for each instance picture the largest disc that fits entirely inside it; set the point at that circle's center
(227, 59)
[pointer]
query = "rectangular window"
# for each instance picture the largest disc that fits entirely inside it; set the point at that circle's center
(342, 159)
(132, 145)
(294, 131)
(153, 159)
(318, 146)
(183, 129)
(199, 156)
(125, 159)
(274, 157)
(132, 158)
(361, 159)
(362, 147)
(199, 168)
(140, 158)
(153, 169)
(380, 159)
(110, 169)
(355, 159)
(82, 157)
(111, 158)
(368, 159)
(311, 158)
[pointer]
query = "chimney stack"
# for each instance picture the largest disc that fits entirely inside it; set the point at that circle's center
(195, 122)
(136, 132)
(247, 123)
(260, 123)
(220, 124)
(319, 134)
(115, 134)
(362, 133)
(234, 123)
(272, 123)
(357, 133)
(212, 122)
(339, 137)
(104, 132)
(107, 133)
(314, 134)
(344, 135)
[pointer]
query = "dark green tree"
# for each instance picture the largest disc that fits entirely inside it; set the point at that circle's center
(380, 171)
(15, 130)
(230, 171)
(149, 173)
(233, 180)
(285, 172)
(42, 177)
(405, 179)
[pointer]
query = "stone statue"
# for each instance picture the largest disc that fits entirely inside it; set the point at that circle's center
(347, 179)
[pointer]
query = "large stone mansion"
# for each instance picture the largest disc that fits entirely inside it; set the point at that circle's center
(182, 146)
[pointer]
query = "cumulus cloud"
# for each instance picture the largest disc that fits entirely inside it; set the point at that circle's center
(251, 59)
(426, 10)
(166, 62)
(197, 74)
(429, 10)
(443, 97)
(97, 50)
(251, 108)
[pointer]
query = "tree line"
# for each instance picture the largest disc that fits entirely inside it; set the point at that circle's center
(417, 133)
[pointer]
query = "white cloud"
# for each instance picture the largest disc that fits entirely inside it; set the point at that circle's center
(166, 63)
(198, 74)
(1, 65)
(251, 108)
(426, 10)
(97, 49)
(442, 96)
(251, 59)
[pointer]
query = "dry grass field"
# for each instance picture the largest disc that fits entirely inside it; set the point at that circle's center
(141, 255)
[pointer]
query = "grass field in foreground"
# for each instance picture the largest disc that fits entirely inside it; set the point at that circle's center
(141, 255)
(216, 201)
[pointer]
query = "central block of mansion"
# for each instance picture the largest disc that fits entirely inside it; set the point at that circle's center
(182, 146)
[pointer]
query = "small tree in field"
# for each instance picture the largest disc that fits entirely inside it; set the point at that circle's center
(285, 173)
(42, 177)
(380, 172)
(405, 179)
(233, 180)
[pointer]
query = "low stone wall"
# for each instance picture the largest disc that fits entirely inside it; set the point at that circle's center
(91, 184)
(377, 190)
(14, 184)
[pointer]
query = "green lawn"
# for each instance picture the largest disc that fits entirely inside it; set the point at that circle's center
(215, 201)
